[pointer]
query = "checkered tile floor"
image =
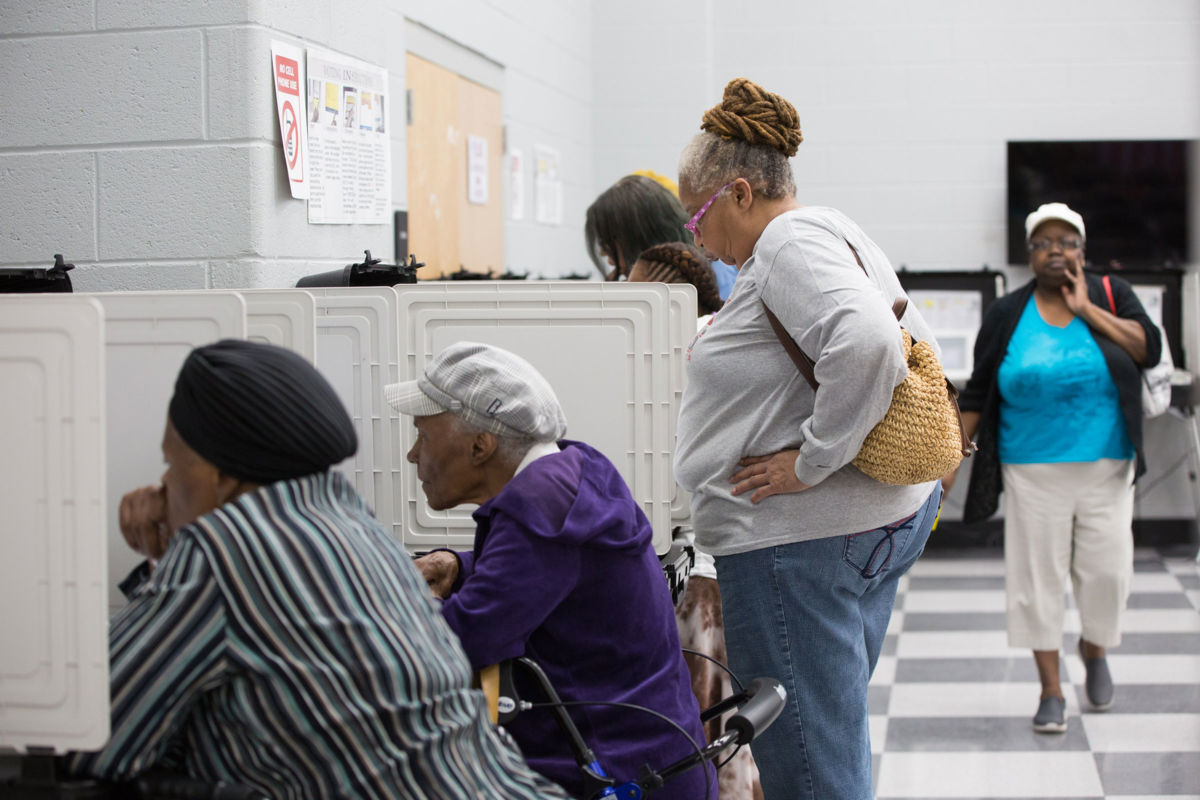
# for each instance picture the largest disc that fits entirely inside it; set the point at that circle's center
(951, 703)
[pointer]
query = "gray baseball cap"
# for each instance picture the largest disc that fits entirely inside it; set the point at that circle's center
(487, 386)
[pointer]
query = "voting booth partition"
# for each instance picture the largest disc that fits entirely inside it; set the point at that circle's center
(605, 348)
(53, 557)
(147, 336)
(286, 318)
(85, 385)
(683, 331)
(356, 352)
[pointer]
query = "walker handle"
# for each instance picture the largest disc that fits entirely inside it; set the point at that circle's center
(765, 701)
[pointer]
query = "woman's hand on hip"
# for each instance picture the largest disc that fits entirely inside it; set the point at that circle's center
(768, 475)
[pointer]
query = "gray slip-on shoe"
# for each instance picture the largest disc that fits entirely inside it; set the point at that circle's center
(1098, 686)
(1051, 716)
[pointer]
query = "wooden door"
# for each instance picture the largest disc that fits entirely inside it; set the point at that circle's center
(445, 230)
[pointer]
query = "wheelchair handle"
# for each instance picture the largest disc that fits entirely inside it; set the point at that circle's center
(765, 698)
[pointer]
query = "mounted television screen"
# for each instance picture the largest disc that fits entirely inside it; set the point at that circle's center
(1133, 197)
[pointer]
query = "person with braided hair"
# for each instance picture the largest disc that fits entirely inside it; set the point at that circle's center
(676, 262)
(808, 549)
(637, 212)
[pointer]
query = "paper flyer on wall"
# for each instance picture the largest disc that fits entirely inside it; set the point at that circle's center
(547, 186)
(289, 103)
(477, 170)
(350, 156)
(516, 184)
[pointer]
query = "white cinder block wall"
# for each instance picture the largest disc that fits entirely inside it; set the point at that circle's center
(147, 150)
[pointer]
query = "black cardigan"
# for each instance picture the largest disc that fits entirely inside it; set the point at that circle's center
(982, 392)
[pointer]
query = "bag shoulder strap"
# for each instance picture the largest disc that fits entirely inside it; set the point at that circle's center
(1108, 290)
(803, 363)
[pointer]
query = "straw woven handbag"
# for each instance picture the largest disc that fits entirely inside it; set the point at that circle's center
(921, 438)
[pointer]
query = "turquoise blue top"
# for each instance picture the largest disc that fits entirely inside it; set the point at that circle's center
(1058, 402)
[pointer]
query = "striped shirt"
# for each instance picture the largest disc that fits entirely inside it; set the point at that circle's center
(287, 642)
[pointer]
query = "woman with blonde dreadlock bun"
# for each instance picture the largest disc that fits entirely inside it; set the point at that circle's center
(808, 549)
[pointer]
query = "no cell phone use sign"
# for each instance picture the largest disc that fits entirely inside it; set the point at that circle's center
(289, 100)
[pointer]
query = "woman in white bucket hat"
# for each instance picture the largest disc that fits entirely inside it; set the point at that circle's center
(1055, 399)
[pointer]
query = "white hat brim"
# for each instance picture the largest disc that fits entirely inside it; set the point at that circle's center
(407, 398)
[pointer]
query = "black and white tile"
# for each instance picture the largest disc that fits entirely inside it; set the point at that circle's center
(951, 702)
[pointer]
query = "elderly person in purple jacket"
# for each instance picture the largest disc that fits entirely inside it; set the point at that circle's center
(562, 570)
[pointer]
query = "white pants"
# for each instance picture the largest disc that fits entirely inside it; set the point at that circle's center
(1062, 519)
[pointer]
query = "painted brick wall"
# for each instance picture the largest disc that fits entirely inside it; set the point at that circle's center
(147, 152)
(906, 108)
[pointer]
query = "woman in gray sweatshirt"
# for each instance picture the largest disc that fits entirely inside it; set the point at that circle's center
(808, 549)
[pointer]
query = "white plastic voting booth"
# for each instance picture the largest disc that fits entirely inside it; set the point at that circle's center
(283, 317)
(53, 571)
(85, 381)
(605, 348)
(147, 336)
(356, 352)
(683, 331)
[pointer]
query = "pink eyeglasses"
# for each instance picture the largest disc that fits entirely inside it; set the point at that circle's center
(693, 224)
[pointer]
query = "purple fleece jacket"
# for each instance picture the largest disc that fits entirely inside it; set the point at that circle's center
(563, 572)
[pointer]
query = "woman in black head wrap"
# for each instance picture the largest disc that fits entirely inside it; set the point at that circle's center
(243, 415)
(285, 635)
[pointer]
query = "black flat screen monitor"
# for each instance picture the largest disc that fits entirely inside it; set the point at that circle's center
(1133, 196)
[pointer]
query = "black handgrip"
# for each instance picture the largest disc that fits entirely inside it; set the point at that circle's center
(173, 786)
(766, 698)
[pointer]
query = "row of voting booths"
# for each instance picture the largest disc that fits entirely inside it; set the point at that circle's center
(85, 381)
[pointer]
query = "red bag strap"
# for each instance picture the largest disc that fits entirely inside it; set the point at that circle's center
(1108, 290)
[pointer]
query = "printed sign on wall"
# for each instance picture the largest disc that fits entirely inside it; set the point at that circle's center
(350, 156)
(516, 184)
(477, 170)
(547, 186)
(289, 79)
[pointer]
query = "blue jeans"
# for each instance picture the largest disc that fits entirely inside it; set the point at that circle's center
(813, 616)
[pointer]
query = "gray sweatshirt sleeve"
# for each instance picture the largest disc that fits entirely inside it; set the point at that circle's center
(840, 318)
